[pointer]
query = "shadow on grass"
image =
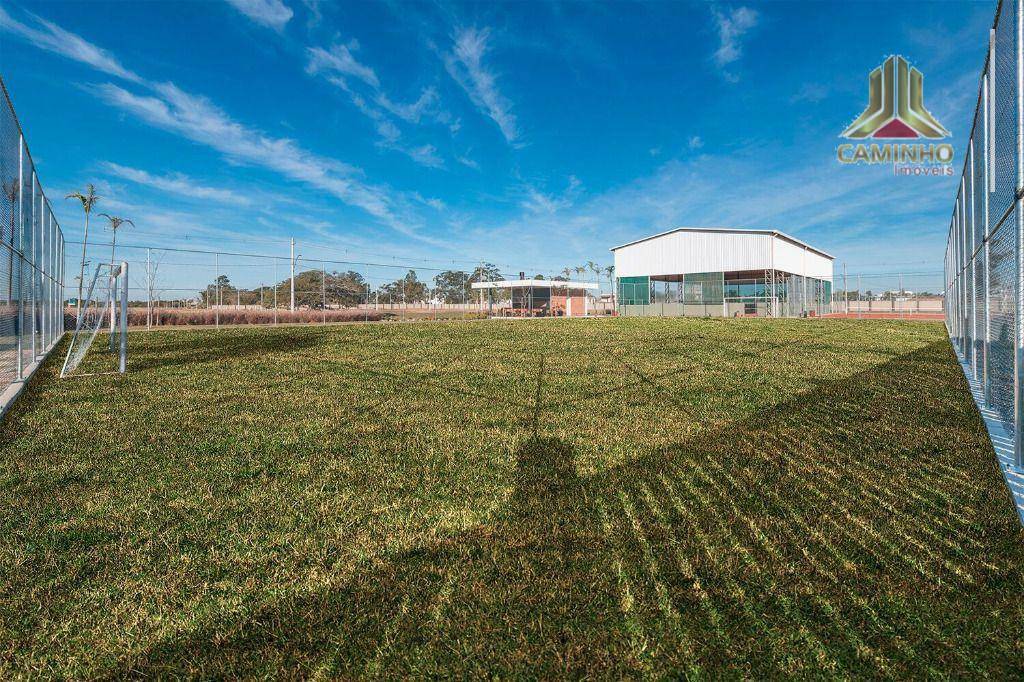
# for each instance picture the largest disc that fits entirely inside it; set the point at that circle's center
(185, 349)
(859, 528)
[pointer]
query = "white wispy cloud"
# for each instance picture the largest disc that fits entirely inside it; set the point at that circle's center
(270, 13)
(465, 64)
(199, 120)
(536, 201)
(425, 155)
(412, 112)
(810, 92)
(176, 183)
(196, 118)
(51, 37)
(468, 162)
(732, 27)
(695, 142)
(340, 60)
(315, 12)
(340, 68)
(831, 206)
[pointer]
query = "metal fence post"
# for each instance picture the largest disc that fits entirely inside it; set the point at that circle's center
(123, 361)
(860, 306)
(988, 263)
(846, 295)
(21, 231)
(974, 257)
(149, 289)
(216, 284)
(31, 270)
(1018, 382)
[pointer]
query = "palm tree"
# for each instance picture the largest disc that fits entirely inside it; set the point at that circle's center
(12, 192)
(88, 200)
(567, 272)
(115, 224)
(610, 272)
(596, 269)
(579, 270)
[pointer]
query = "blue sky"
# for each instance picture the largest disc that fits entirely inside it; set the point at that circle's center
(534, 135)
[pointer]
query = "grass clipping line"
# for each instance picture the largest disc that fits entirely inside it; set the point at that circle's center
(615, 498)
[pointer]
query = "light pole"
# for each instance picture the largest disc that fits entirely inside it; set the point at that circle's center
(294, 258)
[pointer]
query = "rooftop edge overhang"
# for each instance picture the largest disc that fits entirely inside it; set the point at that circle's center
(728, 230)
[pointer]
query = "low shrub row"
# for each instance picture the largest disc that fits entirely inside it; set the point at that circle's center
(138, 317)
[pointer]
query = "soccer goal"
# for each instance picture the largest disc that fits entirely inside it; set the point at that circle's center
(100, 305)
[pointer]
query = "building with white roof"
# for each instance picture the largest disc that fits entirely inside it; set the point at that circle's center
(717, 271)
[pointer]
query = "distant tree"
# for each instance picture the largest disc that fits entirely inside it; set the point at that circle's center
(579, 270)
(609, 272)
(309, 286)
(538, 276)
(116, 223)
(452, 286)
(487, 272)
(88, 199)
(407, 289)
(221, 285)
(346, 289)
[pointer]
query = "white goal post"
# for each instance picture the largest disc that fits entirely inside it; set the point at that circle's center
(101, 301)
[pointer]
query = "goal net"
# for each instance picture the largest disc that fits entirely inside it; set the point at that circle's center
(98, 309)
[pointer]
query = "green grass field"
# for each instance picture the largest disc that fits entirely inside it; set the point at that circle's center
(608, 498)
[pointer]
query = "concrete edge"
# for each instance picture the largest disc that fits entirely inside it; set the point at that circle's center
(1001, 438)
(12, 392)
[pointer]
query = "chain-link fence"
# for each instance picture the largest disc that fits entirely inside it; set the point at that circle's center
(175, 286)
(172, 286)
(892, 295)
(31, 257)
(984, 275)
(887, 295)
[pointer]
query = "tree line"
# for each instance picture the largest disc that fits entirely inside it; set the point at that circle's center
(349, 288)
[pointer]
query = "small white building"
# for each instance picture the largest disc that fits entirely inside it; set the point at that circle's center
(536, 297)
(718, 271)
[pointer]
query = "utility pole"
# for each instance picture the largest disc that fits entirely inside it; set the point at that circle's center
(149, 289)
(292, 307)
(859, 290)
(900, 296)
(846, 299)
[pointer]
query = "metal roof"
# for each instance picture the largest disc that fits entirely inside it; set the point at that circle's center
(729, 230)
